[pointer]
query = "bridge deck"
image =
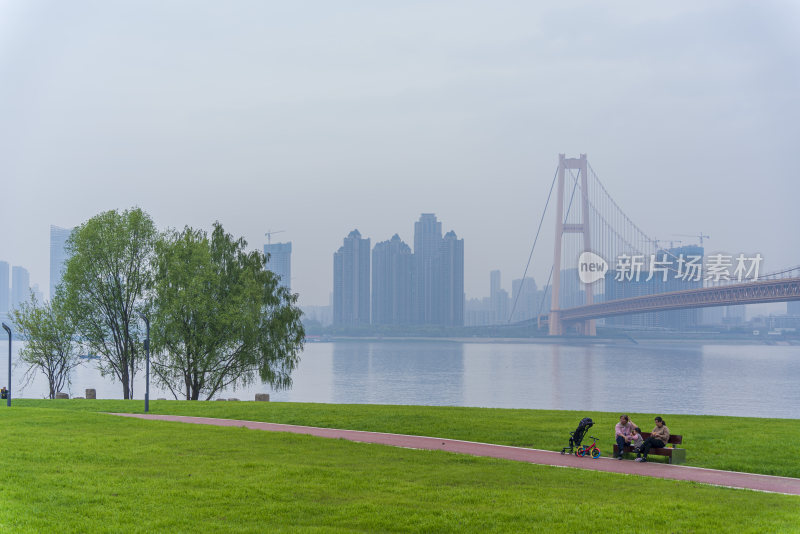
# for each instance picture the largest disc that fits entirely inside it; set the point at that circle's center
(781, 290)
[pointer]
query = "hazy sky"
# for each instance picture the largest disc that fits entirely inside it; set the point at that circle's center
(321, 117)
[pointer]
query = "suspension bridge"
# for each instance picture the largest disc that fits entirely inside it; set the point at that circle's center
(629, 272)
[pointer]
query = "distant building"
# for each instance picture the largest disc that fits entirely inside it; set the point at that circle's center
(351, 280)
(322, 314)
(450, 281)
(58, 255)
(735, 314)
(427, 240)
(674, 319)
(527, 299)
(37, 293)
(793, 307)
(5, 288)
(713, 315)
(392, 278)
(571, 293)
(279, 261)
(477, 312)
(20, 286)
(498, 297)
(687, 318)
(615, 289)
(438, 274)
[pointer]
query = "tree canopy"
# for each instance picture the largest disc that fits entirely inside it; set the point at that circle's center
(219, 318)
(52, 346)
(105, 282)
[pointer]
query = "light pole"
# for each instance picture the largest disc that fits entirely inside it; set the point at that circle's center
(147, 364)
(8, 394)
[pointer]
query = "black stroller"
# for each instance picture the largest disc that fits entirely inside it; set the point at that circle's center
(576, 437)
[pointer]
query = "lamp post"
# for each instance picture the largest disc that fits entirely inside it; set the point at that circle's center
(147, 364)
(8, 394)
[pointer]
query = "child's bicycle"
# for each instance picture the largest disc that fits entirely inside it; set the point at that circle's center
(589, 450)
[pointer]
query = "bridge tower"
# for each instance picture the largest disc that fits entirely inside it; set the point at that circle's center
(556, 327)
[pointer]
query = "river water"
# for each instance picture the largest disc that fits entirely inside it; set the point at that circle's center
(741, 380)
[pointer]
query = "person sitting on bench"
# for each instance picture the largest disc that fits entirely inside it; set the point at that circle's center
(624, 432)
(658, 438)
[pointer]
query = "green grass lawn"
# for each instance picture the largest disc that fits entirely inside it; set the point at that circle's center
(72, 470)
(767, 446)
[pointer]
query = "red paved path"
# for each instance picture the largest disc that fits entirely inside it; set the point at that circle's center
(676, 472)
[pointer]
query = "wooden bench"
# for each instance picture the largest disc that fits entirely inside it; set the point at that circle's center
(674, 456)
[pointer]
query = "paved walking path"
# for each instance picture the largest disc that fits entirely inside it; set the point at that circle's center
(676, 472)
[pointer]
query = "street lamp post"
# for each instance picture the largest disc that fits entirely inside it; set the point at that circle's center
(147, 364)
(8, 394)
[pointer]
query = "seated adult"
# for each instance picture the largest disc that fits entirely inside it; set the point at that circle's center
(624, 433)
(658, 439)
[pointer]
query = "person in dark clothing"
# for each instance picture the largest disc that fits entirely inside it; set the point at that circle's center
(658, 439)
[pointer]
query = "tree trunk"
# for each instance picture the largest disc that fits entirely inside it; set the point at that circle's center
(126, 392)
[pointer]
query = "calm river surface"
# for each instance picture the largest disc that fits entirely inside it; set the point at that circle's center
(745, 380)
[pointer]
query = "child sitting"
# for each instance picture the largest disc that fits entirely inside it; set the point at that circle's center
(636, 439)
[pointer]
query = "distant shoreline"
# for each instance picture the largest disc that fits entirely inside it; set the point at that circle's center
(566, 340)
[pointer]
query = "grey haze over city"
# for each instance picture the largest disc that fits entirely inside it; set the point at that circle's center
(318, 118)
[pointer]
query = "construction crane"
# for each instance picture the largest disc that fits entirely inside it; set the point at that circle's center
(700, 236)
(270, 233)
(657, 243)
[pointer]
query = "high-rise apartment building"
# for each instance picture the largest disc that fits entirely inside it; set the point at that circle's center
(5, 287)
(279, 261)
(427, 240)
(688, 318)
(351, 280)
(58, 255)
(438, 273)
(526, 300)
(392, 276)
(662, 282)
(498, 297)
(450, 284)
(20, 286)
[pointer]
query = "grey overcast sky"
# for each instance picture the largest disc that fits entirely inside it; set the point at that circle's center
(321, 117)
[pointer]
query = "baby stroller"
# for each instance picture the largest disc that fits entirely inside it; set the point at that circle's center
(576, 437)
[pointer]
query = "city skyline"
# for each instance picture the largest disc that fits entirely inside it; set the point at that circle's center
(462, 117)
(282, 265)
(391, 285)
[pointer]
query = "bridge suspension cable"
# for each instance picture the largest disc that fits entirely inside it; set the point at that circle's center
(533, 247)
(598, 224)
(538, 230)
(566, 217)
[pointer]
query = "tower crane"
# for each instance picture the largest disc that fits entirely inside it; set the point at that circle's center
(700, 236)
(270, 233)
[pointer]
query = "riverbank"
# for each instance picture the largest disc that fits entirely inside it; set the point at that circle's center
(71, 469)
(716, 442)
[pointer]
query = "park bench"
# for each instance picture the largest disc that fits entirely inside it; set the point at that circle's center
(674, 456)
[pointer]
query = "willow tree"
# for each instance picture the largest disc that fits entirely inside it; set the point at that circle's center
(52, 346)
(219, 318)
(105, 281)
